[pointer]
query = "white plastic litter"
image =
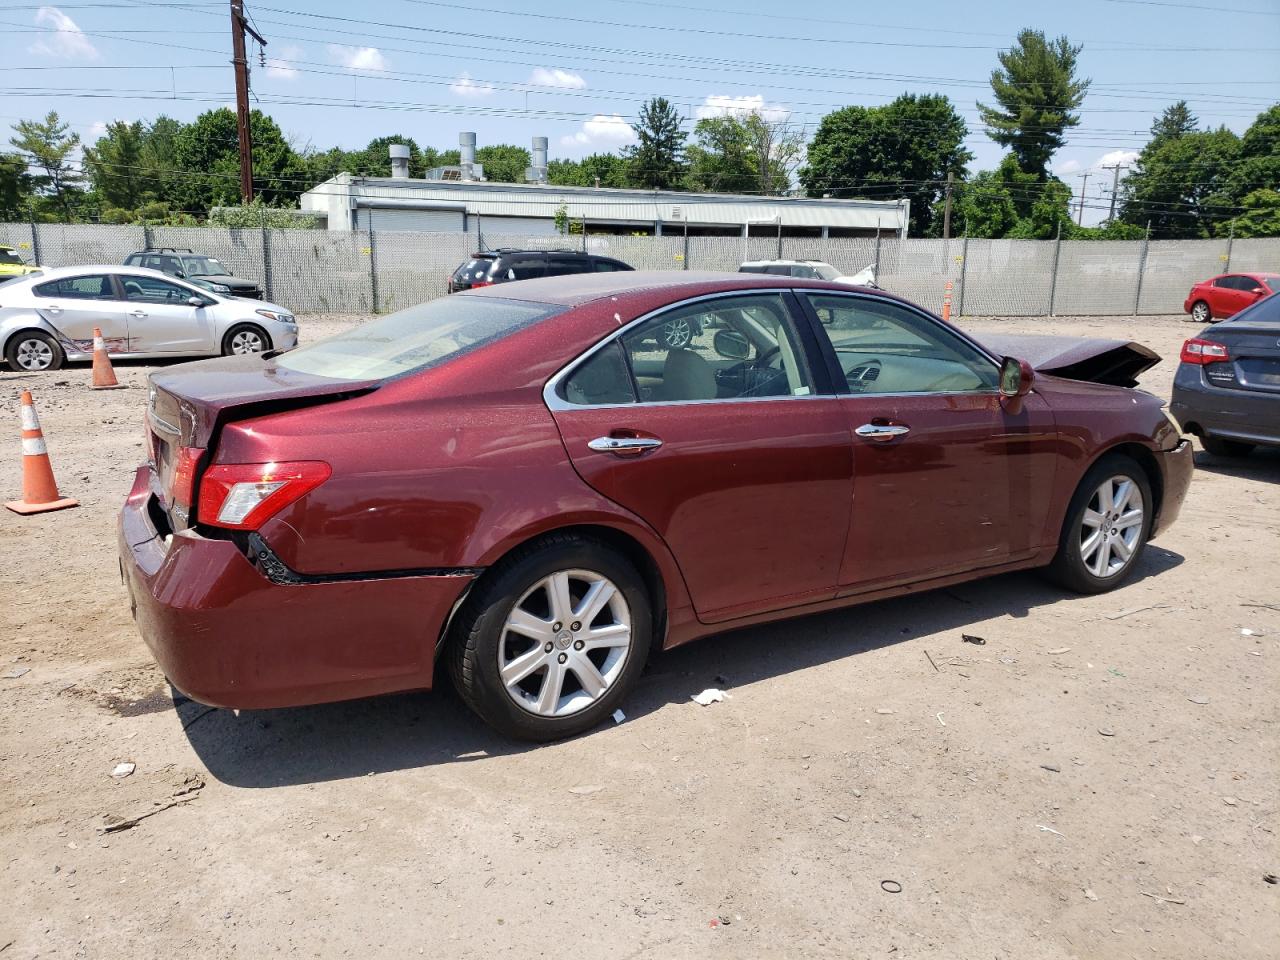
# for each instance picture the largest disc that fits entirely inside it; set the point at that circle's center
(123, 769)
(709, 696)
(618, 716)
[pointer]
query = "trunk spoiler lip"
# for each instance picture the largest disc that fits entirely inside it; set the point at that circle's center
(1089, 359)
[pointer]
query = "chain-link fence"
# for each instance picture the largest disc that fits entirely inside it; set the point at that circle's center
(318, 271)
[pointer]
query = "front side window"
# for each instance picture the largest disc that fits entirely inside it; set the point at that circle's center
(417, 338)
(91, 287)
(205, 267)
(140, 289)
(725, 349)
(884, 347)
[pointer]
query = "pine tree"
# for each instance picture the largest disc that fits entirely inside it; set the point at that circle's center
(46, 144)
(657, 161)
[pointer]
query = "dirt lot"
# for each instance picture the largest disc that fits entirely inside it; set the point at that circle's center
(1098, 780)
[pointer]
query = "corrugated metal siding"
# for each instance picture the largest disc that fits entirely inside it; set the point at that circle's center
(534, 225)
(411, 221)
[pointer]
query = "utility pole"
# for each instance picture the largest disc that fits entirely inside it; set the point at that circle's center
(1115, 169)
(946, 210)
(1080, 208)
(239, 27)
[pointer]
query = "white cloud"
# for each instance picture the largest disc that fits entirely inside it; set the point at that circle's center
(1125, 157)
(1067, 167)
(601, 130)
(464, 86)
(555, 77)
(96, 130)
(358, 58)
(282, 67)
(722, 106)
(67, 41)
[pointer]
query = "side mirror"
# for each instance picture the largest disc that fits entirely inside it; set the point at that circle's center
(731, 345)
(195, 301)
(1016, 377)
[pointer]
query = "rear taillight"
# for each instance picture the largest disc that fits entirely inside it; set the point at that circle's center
(481, 283)
(243, 496)
(184, 475)
(1204, 352)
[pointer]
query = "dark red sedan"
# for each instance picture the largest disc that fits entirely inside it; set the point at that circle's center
(1227, 295)
(528, 482)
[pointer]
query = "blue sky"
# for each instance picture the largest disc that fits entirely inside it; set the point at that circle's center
(338, 73)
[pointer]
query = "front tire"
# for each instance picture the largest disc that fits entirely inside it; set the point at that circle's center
(244, 339)
(1106, 527)
(1200, 312)
(1221, 447)
(31, 351)
(552, 639)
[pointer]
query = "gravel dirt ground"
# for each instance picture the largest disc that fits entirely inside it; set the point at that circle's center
(1098, 780)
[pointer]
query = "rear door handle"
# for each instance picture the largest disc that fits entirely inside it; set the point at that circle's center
(54, 309)
(882, 431)
(624, 445)
(138, 313)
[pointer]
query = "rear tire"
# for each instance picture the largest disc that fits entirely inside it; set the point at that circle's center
(1102, 537)
(1221, 447)
(30, 351)
(244, 339)
(521, 663)
(1200, 312)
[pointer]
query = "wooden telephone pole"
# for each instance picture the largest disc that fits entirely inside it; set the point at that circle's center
(946, 210)
(1115, 186)
(1084, 178)
(239, 27)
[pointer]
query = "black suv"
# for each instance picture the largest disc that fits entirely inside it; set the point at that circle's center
(196, 267)
(503, 264)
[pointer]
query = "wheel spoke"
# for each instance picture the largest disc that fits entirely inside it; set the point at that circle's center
(527, 625)
(593, 684)
(613, 635)
(559, 598)
(523, 665)
(1102, 560)
(1092, 518)
(1105, 493)
(1131, 519)
(1120, 498)
(552, 684)
(1121, 549)
(1090, 544)
(598, 595)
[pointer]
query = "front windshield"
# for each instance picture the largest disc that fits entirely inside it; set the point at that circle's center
(417, 338)
(9, 256)
(205, 267)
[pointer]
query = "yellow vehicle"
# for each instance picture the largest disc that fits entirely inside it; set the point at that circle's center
(12, 264)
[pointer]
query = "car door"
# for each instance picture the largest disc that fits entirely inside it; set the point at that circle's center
(947, 476)
(162, 318)
(1225, 298)
(75, 305)
(726, 447)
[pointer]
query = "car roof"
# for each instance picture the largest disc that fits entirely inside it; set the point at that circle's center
(579, 288)
(766, 263)
(56, 272)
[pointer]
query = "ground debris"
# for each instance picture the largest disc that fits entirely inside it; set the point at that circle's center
(1120, 615)
(709, 696)
(184, 792)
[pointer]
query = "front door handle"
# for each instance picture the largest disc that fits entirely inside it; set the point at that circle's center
(54, 309)
(882, 431)
(624, 445)
(138, 313)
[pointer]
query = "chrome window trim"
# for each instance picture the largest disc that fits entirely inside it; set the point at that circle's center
(552, 399)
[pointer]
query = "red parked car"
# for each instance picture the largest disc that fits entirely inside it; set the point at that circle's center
(524, 481)
(1227, 295)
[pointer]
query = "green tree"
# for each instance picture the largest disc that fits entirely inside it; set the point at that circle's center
(1037, 93)
(610, 169)
(1258, 168)
(1176, 121)
(1006, 202)
(46, 144)
(657, 160)
(1185, 187)
(1261, 216)
(743, 154)
(159, 157)
(504, 162)
(116, 166)
(903, 149)
(207, 155)
(15, 187)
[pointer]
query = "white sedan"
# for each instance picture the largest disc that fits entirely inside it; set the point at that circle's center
(47, 318)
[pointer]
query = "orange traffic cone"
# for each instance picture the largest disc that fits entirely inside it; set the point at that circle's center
(39, 491)
(104, 377)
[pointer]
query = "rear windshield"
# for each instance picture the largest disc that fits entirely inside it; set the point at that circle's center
(8, 256)
(475, 269)
(417, 338)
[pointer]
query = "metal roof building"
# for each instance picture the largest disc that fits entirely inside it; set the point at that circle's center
(351, 202)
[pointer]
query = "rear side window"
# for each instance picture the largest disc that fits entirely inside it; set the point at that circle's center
(560, 266)
(526, 268)
(92, 287)
(416, 339)
(602, 379)
(133, 260)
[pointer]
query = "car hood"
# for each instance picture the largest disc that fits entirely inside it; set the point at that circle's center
(1095, 360)
(232, 283)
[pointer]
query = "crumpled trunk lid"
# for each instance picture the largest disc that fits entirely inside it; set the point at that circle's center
(1092, 359)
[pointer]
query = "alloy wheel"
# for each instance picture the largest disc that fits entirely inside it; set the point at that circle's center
(1200, 313)
(1111, 527)
(677, 334)
(565, 643)
(247, 341)
(34, 355)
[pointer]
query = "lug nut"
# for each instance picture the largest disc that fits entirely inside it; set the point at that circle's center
(578, 645)
(556, 626)
(547, 648)
(563, 657)
(575, 625)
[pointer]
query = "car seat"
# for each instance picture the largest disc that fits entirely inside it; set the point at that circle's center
(686, 376)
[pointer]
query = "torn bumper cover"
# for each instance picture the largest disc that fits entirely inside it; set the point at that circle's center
(1094, 360)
